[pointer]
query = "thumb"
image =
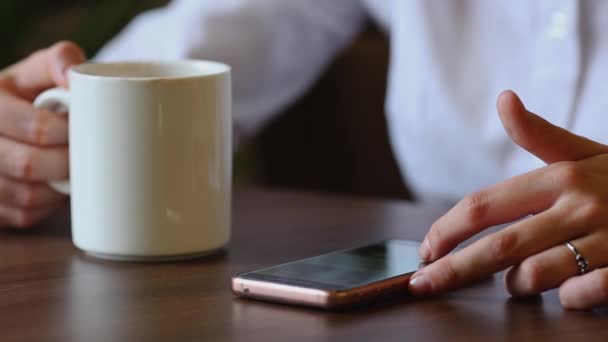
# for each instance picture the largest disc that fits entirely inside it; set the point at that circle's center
(541, 138)
(45, 69)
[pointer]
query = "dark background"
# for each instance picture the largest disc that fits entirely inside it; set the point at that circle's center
(26, 25)
(333, 139)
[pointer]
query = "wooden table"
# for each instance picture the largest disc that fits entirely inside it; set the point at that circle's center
(51, 291)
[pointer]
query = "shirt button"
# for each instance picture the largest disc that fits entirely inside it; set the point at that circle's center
(558, 28)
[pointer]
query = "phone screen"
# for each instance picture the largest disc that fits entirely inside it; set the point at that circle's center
(346, 269)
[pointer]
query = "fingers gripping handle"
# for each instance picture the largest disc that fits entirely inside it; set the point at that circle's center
(56, 100)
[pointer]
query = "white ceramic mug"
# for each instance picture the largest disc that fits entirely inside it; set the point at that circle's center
(150, 157)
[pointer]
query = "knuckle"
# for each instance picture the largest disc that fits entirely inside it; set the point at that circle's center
(449, 275)
(502, 246)
(532, 276)
(569, 174)
(36, 128)
(476, 206)
(5, 188)
(591, 210)
(22, 164)
(26, 196)
(434, 238)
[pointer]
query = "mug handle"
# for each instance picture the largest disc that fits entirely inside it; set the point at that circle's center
(56, 100)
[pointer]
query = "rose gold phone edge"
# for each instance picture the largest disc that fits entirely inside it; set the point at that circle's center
(326, 299)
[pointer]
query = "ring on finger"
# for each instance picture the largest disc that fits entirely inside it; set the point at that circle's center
(583, 264)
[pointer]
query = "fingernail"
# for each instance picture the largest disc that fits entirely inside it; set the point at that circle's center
(419, 285)
(62, 65)
(65, 71)
(425, 250)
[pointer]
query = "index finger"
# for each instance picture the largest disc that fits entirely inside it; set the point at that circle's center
(508, 201)
(496, 252)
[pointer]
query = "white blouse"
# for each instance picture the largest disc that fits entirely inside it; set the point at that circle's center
(449, 61)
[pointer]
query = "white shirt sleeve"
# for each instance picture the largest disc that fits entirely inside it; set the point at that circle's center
(276, 48)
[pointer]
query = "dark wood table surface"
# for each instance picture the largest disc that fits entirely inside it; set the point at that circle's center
(51, 291)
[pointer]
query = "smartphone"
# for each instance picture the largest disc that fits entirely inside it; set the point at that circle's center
(335, 280)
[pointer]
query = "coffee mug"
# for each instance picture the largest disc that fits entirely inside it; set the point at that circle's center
(150, 157)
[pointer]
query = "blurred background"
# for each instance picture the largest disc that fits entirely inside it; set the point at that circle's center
(334, 139)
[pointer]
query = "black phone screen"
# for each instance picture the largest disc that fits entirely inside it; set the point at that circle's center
(346, 269)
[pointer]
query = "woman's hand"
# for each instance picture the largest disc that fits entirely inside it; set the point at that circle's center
(564, 201)
(33, 142)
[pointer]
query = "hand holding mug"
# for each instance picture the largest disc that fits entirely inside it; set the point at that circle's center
(150, 157)
(33, 142)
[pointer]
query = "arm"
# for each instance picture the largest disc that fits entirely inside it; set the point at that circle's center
(277, 48)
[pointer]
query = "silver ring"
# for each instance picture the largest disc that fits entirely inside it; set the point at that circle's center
(583, 265)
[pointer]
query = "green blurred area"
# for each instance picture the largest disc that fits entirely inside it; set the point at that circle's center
(28, 25)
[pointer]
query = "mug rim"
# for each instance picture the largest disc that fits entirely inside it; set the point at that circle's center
(199, 69)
